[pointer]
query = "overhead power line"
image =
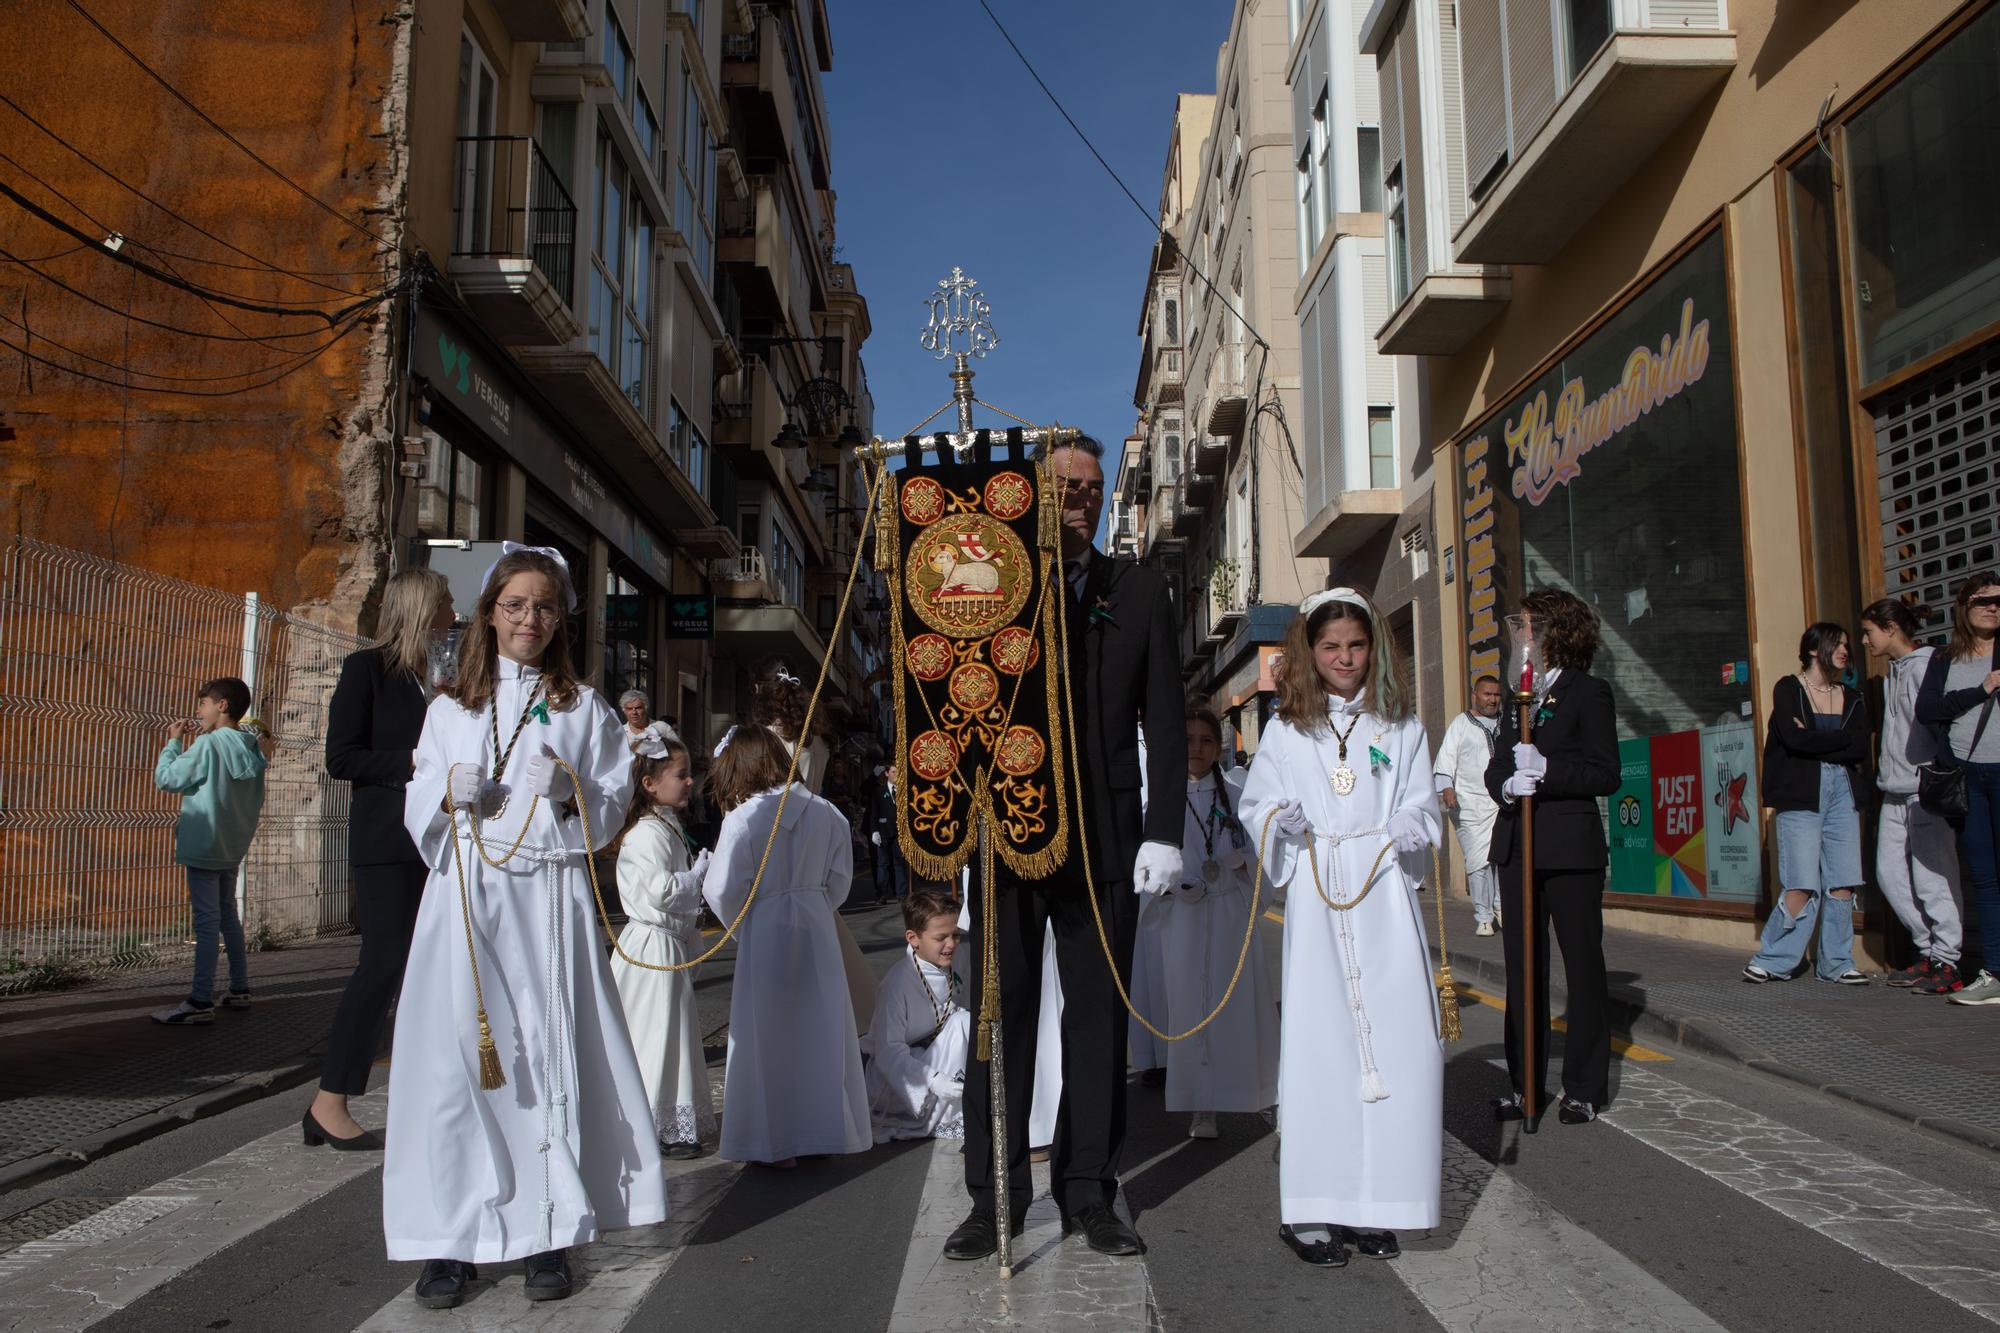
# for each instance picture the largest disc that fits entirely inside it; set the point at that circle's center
(217, 126)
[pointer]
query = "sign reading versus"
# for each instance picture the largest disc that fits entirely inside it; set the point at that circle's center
(691, 616)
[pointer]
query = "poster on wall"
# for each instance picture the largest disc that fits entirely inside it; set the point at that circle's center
(1729, 811)
(1631, 819)
(1680, 859)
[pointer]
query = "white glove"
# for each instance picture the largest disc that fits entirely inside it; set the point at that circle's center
(1291, 819)
(1527, 759)
(875, 838)
(542, 778)
(946, 1088)
(1407, 831)
(464, 783)
(1157, 869)
(1521, 784)
(692, 877)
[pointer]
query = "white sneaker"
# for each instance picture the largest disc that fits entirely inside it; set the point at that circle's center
(1985, 990)
(184, 1015)
(1202, 1126)
(1483, 928)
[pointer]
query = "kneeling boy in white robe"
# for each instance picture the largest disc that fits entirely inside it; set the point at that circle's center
(916, 1074)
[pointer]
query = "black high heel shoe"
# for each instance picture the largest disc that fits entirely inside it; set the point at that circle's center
(314, 1134)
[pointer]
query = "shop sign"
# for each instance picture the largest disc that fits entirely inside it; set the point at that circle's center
(1680, 860)
(1683, 822)
(624, 617)
(691, 616)
(1729, 807)
(1631, 818)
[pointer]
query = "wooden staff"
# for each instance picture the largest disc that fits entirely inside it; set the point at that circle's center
(1530, 930)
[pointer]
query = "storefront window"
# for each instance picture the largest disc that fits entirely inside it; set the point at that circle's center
(1924, 189)
(1615, 476)
(451, 492)
(628, 637)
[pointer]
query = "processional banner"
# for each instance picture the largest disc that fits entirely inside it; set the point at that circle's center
(969, 548)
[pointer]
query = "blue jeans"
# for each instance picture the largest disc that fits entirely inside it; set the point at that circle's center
(1818, 852)
(212, 893)
(1981, 840)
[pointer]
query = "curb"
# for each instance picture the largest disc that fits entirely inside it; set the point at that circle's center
(1703, 1036)
(93, 1147)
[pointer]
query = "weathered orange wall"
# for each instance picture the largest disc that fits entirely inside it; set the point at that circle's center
(243, 492)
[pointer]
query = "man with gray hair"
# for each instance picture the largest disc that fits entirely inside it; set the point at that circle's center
(1460, 770)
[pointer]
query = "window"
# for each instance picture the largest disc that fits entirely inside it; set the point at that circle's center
(824, 608)
(694, 194)
(691, 8)
(478, 95)
(621, 281)
(1398, 229)
(1382, 448)
(1173, 333)
(618, 59)
(628, 639)
(787, 570)
(1587, 24)
(687, 445)
(1322, 145)
(1308, 211)
(1368, 158)
(646, 127)
(636, 364)
(451, 493)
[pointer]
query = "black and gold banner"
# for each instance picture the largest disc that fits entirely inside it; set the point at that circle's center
(970, 552)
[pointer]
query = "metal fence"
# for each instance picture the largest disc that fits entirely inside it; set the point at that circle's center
(96, 659)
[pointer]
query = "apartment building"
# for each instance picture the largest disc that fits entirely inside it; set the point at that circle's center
(1219, 376)
(1697, 310)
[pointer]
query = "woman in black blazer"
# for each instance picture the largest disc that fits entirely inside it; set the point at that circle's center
(372, 728)
(1569, 759)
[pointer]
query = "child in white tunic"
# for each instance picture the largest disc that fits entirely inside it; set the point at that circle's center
(916, 1074)
(659, 881)
(477, 1173)
(794, 1085)
(1232, 1064)
(1341, 801)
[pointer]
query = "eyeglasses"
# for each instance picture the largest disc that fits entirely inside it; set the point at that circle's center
(517, 611)
(1070, 488)
(1985, 602)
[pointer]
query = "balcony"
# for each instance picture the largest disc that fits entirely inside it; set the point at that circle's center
(743, 577)
(767, 86)
(513, 241)
(1198, 484)
(545, 20)
(1167, 376)
(754, 633)
(1227, 404)
(1208, 456)
(1189, 516)
(1637, 90)
(1353, 520)
(1444, 312)
(1226, 603)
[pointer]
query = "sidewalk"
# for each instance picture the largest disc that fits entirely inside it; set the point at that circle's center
(1912, 1056)
(88, 1072)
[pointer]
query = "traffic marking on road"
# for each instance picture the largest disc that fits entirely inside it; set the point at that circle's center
(1630, 1050)
(1504, 1258)
(1924, 1232)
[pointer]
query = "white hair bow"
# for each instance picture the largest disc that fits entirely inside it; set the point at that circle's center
(515, 548)
(784, 676)
(723, 744)
(1319, 599)
(657, 742)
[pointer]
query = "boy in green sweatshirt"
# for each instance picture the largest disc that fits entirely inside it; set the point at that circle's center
(219, 773)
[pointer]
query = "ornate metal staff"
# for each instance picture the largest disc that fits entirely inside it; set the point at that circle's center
(1526, 675)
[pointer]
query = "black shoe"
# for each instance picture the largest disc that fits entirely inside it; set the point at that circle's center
(1104, 1231)
(1153, 1078)
(1370, 1244)
(547, 1275)
(1575, 1111)
(441, 1286)
(680, 1152)
(1328, 1253)
(313, 1134)
(1509, 1109)
(977, 1236)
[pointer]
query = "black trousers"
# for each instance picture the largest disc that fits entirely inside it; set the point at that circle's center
(1090, 1125)
(386, 897)
(1573, 902)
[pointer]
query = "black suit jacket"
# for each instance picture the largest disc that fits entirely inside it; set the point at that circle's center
(1125, 672)
(1580, 741)
(372, 728)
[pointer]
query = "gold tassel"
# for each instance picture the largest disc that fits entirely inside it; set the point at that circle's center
(490, 1076)
(1448, 1025)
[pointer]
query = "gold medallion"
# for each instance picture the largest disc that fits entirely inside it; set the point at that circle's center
(1343, 780)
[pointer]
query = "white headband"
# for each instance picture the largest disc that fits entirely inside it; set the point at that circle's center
(516, 548)
(1347, 595)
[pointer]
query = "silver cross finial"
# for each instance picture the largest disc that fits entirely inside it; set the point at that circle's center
(961, 322)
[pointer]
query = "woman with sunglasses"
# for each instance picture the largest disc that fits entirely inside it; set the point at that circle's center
(1958, 698)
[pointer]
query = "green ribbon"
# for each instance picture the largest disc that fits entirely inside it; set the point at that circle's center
(1376, 759)
(540, 711)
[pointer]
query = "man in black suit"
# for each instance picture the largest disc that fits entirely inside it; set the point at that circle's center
(1569, 760)
(885, 853)
(1123, 671)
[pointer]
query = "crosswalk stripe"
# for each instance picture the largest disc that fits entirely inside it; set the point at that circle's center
(138, 1245)
(613, 1276)
(1927, 1234)
(1057, 1283)
(1505, 1259)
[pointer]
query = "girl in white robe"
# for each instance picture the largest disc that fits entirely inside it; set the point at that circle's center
(1232, 1064)
(659, 881)
(916, 1070)
(1341, 778)
(563, 1151)
(794, 1085)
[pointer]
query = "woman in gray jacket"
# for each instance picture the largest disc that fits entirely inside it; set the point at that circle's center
(1916, 856)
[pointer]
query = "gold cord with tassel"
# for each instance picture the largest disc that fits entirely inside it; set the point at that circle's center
(490, 1074)
(1449, 1026)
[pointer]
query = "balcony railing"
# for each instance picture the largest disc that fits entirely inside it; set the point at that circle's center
(747, 566)
(508, 202)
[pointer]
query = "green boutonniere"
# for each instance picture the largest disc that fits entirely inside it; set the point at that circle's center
(1101, 610)
(540, 712)
(1377, 759)
(1545, 713)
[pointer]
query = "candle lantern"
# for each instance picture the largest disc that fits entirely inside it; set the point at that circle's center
(1527, 673)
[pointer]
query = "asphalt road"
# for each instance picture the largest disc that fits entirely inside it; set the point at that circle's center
(1710, 1196)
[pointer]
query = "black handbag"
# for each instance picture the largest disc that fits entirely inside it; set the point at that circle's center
(1941, 783)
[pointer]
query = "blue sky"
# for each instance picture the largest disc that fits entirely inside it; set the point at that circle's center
(945, 152)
